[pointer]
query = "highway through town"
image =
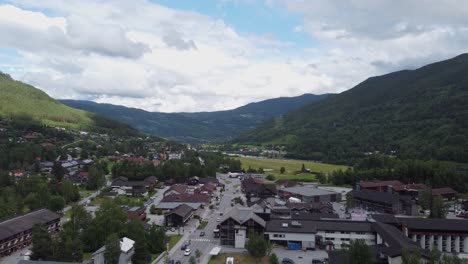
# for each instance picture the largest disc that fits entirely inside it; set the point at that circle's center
(206, 243)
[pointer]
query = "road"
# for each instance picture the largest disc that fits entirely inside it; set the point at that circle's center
(205, 244)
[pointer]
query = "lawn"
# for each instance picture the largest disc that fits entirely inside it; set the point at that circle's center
(87, 256)
(174, 240)
(290, 166)
(238, 258)
(85, 193)
(202, 224)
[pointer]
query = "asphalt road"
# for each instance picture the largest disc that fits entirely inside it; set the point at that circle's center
(205, 244)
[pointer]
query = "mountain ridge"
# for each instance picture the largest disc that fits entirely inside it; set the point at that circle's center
(23, 101)
(198, 127)
(414, 113)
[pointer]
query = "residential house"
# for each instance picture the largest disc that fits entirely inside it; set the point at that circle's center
(237, 224)
(176, 189)
(447, 193)
(178, 216)
(16, 233)
(126, 252)
(138, 212)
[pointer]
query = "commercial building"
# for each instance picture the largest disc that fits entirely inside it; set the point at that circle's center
(237, 224)
(309, 194)
(16, 233)
(384, 202)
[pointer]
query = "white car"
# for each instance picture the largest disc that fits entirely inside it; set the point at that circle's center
(187, 252)
(218, 219)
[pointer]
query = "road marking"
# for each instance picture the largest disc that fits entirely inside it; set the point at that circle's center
(204, 240)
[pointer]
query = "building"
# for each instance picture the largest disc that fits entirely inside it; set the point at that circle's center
(384, 202)
(138, 212)
(16, 233)
(195, 201)
(237, 224)
(178, 216)
(325, 233)
(379, 186)
(447, 235)
(310, 194)
(447, 193)
(126, 252)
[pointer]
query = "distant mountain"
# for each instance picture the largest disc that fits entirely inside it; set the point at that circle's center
(23, 101)
(202, 126)
(420, 113)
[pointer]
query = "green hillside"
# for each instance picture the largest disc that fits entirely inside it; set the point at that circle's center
(199, 127)
(420, 113)
(20, 100)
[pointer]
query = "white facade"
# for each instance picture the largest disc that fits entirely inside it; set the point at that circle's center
(307, 240)
(449, 244)
(339, 238)
(240, 238)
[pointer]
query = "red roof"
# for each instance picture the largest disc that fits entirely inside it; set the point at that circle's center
(187, 198)
(83, 174)
(408, 187)
(445, 190)
(375, 184)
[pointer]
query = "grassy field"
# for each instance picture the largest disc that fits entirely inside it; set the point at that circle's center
(238, 258)
(174, 240)
(290, 166)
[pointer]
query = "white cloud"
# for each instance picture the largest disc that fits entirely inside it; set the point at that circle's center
(140, 54)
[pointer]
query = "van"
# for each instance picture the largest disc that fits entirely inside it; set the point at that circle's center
(229, 260)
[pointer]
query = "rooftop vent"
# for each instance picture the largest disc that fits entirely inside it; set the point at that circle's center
(296, 224)
(285, 224)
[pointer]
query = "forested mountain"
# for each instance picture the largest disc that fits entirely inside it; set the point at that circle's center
(420, 113)
(22, 101)
(202, 126)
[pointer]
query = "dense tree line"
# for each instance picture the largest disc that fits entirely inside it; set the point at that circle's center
(33, 193)
(82, 233)
(179, 170)
(378, 167)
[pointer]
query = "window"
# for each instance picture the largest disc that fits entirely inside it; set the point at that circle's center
(345, 239)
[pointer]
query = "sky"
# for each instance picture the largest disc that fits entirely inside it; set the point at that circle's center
(206, 55)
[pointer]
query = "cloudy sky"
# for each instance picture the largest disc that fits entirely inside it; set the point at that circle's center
(172, 56)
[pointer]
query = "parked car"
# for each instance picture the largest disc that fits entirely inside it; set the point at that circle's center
(187, 242)
(183, 247)
(178, 262)
(229, 260)
(218, 219)
(187, 252)
(287, 261)
(202, 233)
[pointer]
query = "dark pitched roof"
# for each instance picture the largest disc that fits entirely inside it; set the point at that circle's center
(208, 180)
(182, 210)
(25, 222)
(381, 197)
(187, 198)
(459, 225)
(394, 238)
(385, 218)
(344, 225)
(291, 226)
(151, 179)
(312, 216)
